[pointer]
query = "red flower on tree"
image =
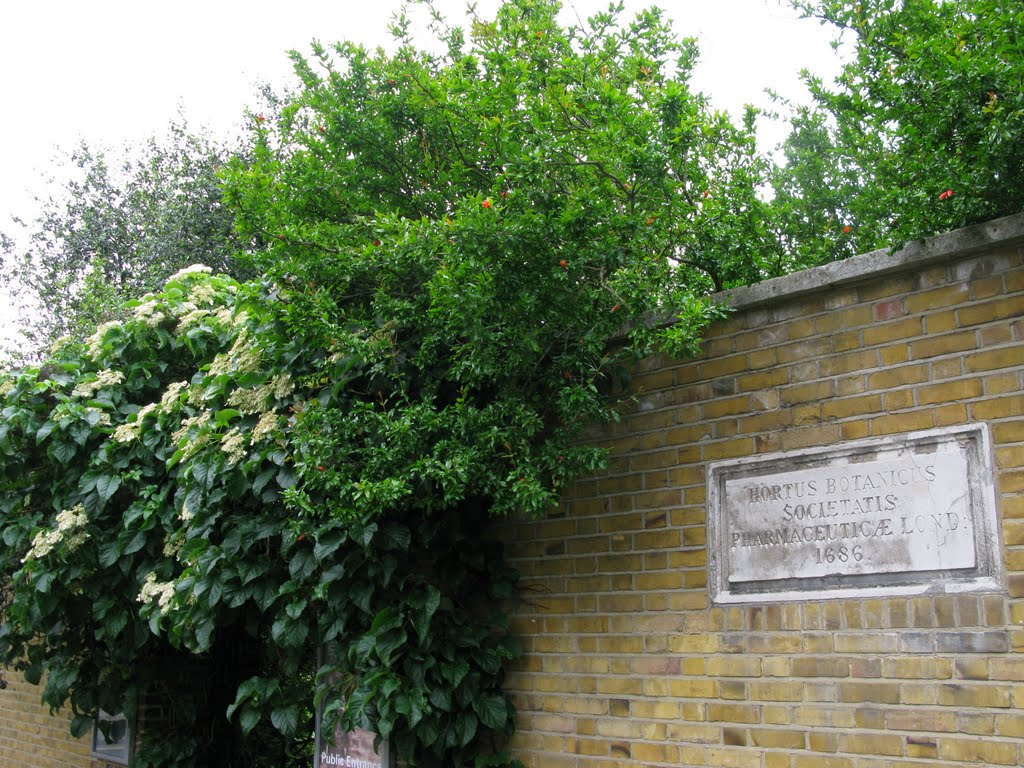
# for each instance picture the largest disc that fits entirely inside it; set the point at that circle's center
(946, 195)
(486, 203)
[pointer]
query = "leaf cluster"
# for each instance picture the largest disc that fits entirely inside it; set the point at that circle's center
(923, 131)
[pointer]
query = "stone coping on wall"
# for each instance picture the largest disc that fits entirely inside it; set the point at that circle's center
(962, 242)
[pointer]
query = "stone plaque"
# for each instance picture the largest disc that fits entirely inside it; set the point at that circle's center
(907, 514)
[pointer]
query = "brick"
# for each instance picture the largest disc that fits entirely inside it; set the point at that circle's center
(914, 694)
(766, 379)
(990, 311)
(963, 389)
(871, 744)
(1008, 432)
(778, 739)
(911, 327)
(722, 366)
(852, 406)
(913, 667)
(908, 421)
(866, 643)
(821, 667)
(844, 342)
(822, 742)
(876, 693)
(898, 400)
(976, 723)
(808, 392)
(978, 751)
(728, 407)
(947, 367)
(948, 415)
(900, 376)
(729, 449)
(852, 361)
(775, 691)
(946, 344)
(887, 310)
(975, 695)
(1007, 668)
(927, 301)
(853, 317)
(1011, 725)
(921, 720)
(734, 713)
(732, 666)
(921, 747)
(987, 287)
(994, 335)
(995, 641)
(895, 354)
(851, 385)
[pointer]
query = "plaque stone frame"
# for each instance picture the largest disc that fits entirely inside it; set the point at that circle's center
(908, 514)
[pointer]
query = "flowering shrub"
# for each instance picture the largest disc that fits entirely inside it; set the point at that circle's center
(466, 251)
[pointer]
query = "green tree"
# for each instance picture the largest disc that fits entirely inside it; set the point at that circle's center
(923, 132)
(113, 233)
(462, 252)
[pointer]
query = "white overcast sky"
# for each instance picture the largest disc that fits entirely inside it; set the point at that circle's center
(111, 71)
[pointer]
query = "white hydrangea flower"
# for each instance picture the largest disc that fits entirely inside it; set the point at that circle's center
(202, 294)
(233, 444)
(266, 425)
(249, 400)
(145, 410)
(192, 269)
(192, 318)
(70, 530)
(186, 514)
(146, 308)
(282, 386)
(95, 343)
(6, 387)
(170, 399)
(125, 433)
(154, 320)
(105, 378)
(160, 591)
(173, 546)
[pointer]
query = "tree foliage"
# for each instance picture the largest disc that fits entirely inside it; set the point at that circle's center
(245, 473)
(922, 133)
(116, 230)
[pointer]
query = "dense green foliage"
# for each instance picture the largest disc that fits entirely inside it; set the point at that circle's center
(922, 133)
(246, 473)
(183, 436)
(113, 232)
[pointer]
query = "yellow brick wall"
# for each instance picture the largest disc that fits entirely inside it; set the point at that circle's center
(628, 664)
(30, 737)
